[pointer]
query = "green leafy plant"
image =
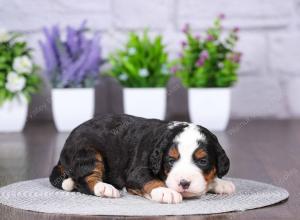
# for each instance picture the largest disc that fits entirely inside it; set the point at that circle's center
(142, 63)
(17, 71)
(209, 61)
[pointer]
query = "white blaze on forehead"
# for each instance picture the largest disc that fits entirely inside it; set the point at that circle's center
(184, 168)
(187, 141)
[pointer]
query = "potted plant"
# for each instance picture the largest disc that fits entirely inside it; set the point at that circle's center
(141, 67)
(18, 81)
(208, 67)
(72, 66)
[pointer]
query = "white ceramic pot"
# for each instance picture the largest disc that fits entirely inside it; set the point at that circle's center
(210, 107)
(71, 107)
(13, 115)
(145, 102)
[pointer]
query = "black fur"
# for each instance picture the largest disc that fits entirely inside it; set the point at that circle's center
(57, 176)
(217, 154)
(156, 157)
(132, 148)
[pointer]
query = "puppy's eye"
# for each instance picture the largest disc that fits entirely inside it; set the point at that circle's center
(202, 162)
(171, 161)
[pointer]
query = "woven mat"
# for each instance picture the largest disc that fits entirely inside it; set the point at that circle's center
(39, 196)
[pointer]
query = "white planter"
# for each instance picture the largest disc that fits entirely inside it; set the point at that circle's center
(210, 107)
(71, 107)
(13, 115)
(145, 102)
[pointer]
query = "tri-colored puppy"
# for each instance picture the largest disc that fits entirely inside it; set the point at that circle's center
(162, 161)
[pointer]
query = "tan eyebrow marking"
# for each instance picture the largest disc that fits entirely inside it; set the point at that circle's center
(173, 152)
(200, 153)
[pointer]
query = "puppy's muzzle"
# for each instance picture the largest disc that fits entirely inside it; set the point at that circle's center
(184, 184)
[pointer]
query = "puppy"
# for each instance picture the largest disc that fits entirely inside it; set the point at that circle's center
(159, 160)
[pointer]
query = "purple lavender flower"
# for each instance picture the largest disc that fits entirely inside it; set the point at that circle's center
(183, 43)
(74, 62)
(236, 29)
(210, 38)
(221, 16)
(236, 57)
(174, 69)
(199, 62)
(204, 55)
(198, 37)
(186, 28)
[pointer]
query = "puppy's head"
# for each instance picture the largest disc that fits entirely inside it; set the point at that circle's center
(192, 160)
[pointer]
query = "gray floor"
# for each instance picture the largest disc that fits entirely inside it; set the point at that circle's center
(266, 151)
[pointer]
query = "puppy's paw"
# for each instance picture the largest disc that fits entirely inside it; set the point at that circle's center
(106, 190)
(223, 187)
(165, 195)
(68, 185)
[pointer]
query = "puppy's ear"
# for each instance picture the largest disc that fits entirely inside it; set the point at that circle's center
(156, 157)
(222, 161)
(161, 143)
(163, 140)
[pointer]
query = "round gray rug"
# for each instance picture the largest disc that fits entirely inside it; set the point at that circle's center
(38, 195)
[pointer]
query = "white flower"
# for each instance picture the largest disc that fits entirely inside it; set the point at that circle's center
(22, 64)
(220, 65)
(144, 72)
(132, 51)
(4, 35)
(15, 82)
(123, 77)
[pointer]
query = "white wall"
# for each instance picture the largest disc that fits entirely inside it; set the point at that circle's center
(269, 83)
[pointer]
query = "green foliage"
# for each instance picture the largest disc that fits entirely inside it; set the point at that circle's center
(210, 61)
(143, 62)
(10, 49)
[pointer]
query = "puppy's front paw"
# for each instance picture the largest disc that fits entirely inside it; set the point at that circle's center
(223, 187)
(165, 195)
(68, 185)
(106, 190)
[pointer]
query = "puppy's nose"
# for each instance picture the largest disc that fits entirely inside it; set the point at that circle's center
(184, 184)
